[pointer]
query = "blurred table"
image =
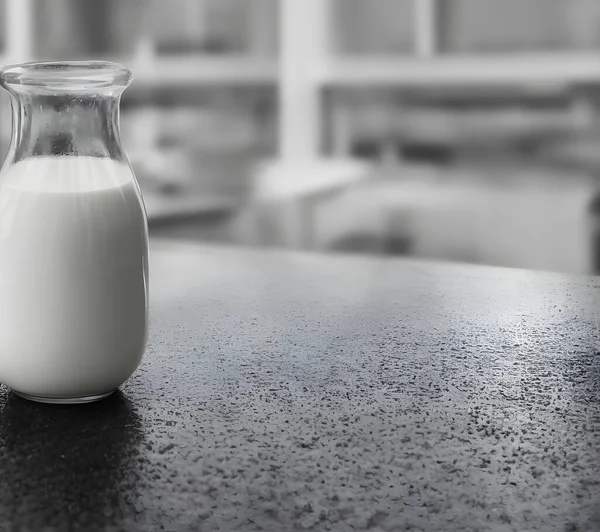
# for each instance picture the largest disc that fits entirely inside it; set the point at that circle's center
(284, 391)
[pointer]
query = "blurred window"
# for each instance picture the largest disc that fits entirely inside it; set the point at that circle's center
(519, 25)
(216, 26)
(373, 27)
(202, 26)
(84, 28)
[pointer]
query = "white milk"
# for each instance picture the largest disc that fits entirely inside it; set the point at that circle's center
(73, 276)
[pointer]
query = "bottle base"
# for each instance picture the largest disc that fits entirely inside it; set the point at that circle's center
(64, 400)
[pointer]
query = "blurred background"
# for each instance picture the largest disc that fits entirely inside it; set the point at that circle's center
(462, 130)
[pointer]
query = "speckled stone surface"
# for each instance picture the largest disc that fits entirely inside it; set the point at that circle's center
(288, 392)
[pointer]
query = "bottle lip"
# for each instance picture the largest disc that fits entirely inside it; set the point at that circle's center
(66, 75)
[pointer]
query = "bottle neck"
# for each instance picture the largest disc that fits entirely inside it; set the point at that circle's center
(68, 124)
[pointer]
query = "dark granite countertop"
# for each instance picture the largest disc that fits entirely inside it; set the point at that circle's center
(285, 391)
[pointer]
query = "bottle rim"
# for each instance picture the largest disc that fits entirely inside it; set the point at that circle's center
(66, 75)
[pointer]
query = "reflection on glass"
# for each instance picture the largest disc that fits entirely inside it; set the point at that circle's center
(3, 24)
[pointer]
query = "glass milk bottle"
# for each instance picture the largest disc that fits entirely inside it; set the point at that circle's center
(73, 236)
